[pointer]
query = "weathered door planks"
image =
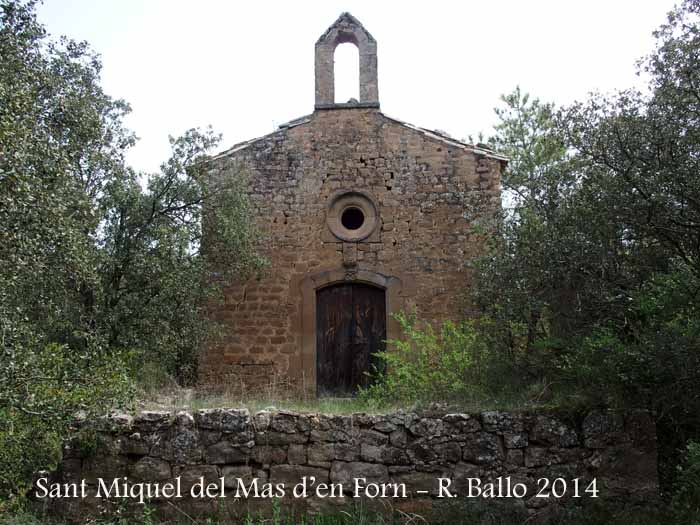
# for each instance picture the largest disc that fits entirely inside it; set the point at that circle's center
(350, 327)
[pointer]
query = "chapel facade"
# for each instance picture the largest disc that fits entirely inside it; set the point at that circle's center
(363, 216)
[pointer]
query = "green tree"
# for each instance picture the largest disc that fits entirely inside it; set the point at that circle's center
(156, 281)
(605, 195)
(594, 277)
(59, 135)
(536, 187)
(638, 159)
(96, 271)
(526, 134)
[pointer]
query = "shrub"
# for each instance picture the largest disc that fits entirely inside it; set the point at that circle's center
(42, 390)
(685, 502)
(430, 365)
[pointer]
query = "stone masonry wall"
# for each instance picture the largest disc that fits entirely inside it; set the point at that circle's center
(430, 192)
(230, 447)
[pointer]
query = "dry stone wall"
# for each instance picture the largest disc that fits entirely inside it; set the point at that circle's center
(409, 452)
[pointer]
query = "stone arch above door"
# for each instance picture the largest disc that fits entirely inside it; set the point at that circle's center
(394, 286)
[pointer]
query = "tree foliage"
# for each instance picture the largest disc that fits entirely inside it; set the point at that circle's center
(99, 270)
(588, 290)
(593, 279)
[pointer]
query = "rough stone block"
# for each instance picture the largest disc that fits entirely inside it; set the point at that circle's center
(372, 437)
(601, 428)
(495, 421)
(284, 422)
(268, 455)
(515, 439)
(461, 424)
(550, 431)
(150, 421)
(151, 469)
(190, 475)
(225, 453)
(224, 419)
(183, 447)
(482, 448)
(345, 472)
(296, 455)
(231, 475)
(326, 452)
(280, 438)
(293, 474)
(425, 427)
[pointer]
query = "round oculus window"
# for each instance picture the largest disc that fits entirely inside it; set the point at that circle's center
(352, 216)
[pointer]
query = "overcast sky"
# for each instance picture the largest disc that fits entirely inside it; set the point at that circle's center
(246, 67)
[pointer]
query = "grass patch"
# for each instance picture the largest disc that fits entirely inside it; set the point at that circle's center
(187, 399)
(173, 398)
(158, 391)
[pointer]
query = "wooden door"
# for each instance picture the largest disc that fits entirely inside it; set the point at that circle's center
(350, 328)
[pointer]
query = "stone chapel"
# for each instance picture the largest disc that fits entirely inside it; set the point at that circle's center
(363, 216)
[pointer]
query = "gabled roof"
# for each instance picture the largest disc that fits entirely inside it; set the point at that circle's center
(479, 149)
(435, 135)
(242, 145)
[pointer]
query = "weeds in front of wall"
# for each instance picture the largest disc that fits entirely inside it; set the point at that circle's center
(276, 391)
(456, 512)
(282, 394)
